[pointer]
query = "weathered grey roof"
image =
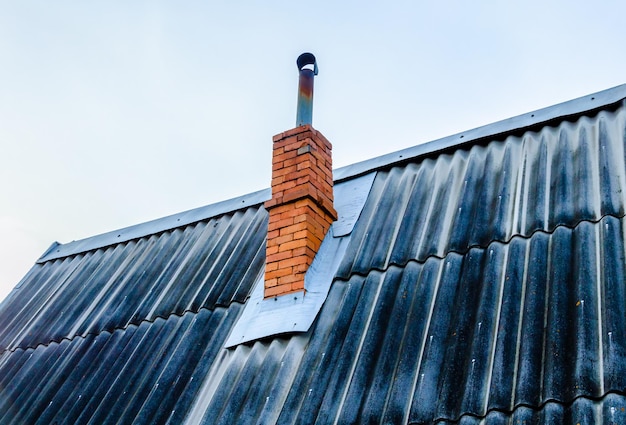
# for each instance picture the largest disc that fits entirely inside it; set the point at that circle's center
(483, 283)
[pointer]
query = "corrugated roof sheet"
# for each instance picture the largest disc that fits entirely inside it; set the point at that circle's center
(145, 374)
(482, 284)
(202, 265)
(539, 180)
(494, 329)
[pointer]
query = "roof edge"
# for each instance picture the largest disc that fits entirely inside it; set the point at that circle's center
(575, 107)
(154, 226)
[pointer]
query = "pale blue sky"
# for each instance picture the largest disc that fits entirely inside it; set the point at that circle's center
(114, 113)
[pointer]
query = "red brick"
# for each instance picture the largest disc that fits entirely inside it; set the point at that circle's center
(305, 164)
(285, 144)
(285, 186)
(302, 268)
(273, 217)
(290, 230)
(287, 237)
(302, 180)
(297, 286)
(276, 290)
(312, 243)
(291, 173)
(291, 278)
(293, 147)
(287, 289)
(304, 251)
(279, 256)
(295, 212)
(285, 171)
(288, 246)
(270, 204)
(282, 157)
(278, 273)
(305, 203)
(293, 261)
(293, 161)
(277, 210)
(280, 224)
(300, 234)
(296, 193)
(277, 180)
(299, 219)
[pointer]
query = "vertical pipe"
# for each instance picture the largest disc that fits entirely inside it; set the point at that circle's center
(307, 66)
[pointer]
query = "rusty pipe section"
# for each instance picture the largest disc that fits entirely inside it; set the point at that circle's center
(308, 70)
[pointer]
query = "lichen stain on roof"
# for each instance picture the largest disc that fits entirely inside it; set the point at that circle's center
(482, 283)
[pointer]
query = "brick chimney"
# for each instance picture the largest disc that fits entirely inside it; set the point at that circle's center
(301, 209)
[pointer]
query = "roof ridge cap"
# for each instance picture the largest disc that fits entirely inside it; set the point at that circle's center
(151, 227)
(575, 107)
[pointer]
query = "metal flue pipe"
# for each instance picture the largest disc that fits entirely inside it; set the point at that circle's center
(308, 70)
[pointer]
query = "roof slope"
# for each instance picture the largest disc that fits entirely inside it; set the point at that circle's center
(483, 283)
(200, 266)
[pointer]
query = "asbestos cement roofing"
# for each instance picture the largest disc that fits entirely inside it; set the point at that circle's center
(483, 282)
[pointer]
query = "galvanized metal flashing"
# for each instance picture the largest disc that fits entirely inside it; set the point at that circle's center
(349, 201)
(296, 312)
(292, 312)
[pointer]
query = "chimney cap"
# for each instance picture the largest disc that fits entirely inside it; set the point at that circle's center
(307, 59)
